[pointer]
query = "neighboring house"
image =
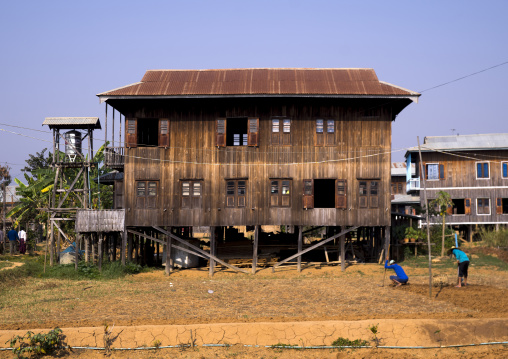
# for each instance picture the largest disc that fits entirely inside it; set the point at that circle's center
(472, 169)
(11, 199)
(252, 147)
(402, 202)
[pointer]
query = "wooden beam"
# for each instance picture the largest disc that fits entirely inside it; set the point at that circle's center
(314, 247)
(342, 254)
(169, 265)
(300, 246)
(255, 250)
(199, 250)
(100, 250)
(212, 252)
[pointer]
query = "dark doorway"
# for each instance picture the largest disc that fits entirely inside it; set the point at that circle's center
(459, 206)
(236, 131)
(148, 132)
(324, 193)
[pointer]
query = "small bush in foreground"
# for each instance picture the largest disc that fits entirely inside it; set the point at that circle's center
(344, 342)
(494, 238)
(37, 345)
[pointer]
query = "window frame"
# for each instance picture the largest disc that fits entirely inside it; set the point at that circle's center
(504, 169)
(147, 200)
(483, 206)
(367, 199)
(239, 200)
(280, 196)
(482, 170)
(281, 137)
(191, 201)
(325, 137)
(440, 171)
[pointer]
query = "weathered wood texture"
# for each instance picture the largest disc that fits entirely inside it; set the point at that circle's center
(100, 220)
(361, 151)
(460, 181)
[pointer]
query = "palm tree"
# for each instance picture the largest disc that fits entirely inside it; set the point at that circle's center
(443, 201)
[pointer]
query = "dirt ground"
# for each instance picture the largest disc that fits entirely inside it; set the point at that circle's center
(317, 294)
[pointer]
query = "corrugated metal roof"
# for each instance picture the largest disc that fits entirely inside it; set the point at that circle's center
(72, 122)
(464, 142)
(399, 168)
(324, 82)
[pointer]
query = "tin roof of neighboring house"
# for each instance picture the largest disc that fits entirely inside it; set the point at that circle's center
(399, 168)
(260, 82)
(72, 122)
(493, 141)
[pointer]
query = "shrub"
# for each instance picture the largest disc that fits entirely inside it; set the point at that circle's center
(37, 344)
(494, 238)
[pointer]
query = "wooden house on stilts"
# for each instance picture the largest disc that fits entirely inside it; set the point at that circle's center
(254, 147)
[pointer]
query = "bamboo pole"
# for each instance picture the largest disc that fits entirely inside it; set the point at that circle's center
(255, 250)
(300, 246)
(427, 217)
(212, 251)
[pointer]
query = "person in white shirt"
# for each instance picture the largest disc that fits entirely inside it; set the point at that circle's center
(22, 241)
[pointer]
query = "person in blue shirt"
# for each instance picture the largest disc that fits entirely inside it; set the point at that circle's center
(462, 262)
(400, 277)
(13, 240)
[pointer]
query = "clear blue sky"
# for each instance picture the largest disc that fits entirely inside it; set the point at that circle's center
(57, 55)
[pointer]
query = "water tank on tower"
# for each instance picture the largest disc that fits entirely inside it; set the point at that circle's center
(72, 144)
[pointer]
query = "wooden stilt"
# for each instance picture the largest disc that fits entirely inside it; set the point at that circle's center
(212, 251)
(255, 250)
(342, 254)
(300, 246)
(169, 262)
(76, 253)
(123, 247)
(87, 247)
(59, 246)
(52, 246)
(100, 251)
(115, 243)
(129, 246)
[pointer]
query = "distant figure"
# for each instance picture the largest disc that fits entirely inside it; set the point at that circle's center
(462, 262)
(1, 241)
(13, 240)
(400, 277)
(22, 241)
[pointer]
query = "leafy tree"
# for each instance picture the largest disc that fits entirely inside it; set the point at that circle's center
(38, 161)
(443, 201)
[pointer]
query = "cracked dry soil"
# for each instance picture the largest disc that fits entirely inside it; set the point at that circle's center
(189, 296)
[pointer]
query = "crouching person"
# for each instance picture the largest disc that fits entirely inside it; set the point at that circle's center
(400, 277)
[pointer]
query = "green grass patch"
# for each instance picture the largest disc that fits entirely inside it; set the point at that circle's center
(344, 342)
(476, 259)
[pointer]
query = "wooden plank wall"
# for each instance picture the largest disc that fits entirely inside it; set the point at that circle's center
(192, 155)
(460, 182)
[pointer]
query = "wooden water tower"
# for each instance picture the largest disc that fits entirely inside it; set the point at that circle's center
(72, 170)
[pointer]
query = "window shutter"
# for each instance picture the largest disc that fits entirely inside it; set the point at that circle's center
(151, 198)
(499, 206)
(275, 131)
(319, 133)
(374, 194)
(363, 194)
(242, 190)
(441, 172)
(467, 206)
(286, 131)
(330, 132)
(131, 132)
(230, 193)
(163, 132)
(285, 193)
(505, 169)
(220, 132)
(140, 194)
(253, 132)
(186, 201)
(274, 193)
(449, 210)
(341, 195)
(308, 194)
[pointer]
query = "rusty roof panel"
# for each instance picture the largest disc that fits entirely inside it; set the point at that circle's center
(260, 82)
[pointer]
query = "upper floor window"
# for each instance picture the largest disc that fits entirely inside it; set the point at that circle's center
(236, 191)
(325, 193)
(280, 193)
(482, 206)
(237, 131)
(482, 170)
(325, 132)
(368, 196)
(434, 171)
(281, 131)
(191, 194)
(147, 132)
(504, 169)
(146, 194)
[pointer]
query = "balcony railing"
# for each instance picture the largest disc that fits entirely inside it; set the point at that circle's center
(413, 185)
(114, 157)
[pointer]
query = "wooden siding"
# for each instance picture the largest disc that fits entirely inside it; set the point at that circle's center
(461, 182)
(361, 151)
(100, 220)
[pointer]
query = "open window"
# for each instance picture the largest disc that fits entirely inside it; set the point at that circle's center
(145, 132)
(324, 193)
(325, 132)
(237, 131)
(434, 171)
(281, 131)
(191, 193)
(280, 192)
(501, 205)
(146, 194)
(459, 206)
